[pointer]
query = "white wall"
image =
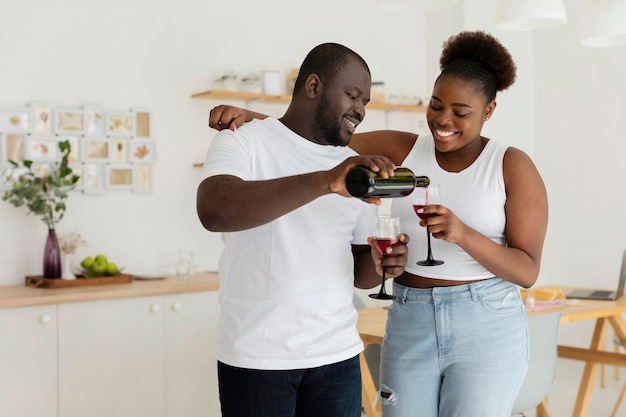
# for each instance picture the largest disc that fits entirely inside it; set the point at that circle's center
(155, 54)
(564, 110)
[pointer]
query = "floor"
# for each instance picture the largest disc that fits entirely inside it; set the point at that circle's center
(565, 388)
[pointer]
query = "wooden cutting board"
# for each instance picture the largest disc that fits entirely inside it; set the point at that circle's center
(42, 282)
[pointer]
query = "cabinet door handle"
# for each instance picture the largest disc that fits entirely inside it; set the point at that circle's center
(177, 306)
(45, 318)
(155, 308)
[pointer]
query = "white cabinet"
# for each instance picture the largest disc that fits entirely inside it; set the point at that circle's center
(111, 358)
(136, 357)
(28, 361)
(190, 365)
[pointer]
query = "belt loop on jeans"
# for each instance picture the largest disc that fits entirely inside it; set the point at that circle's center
(401, 297)
(472, 288)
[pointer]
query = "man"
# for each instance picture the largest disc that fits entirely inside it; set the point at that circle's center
(295, 245)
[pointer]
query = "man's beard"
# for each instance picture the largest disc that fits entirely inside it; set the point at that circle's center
(325, 129)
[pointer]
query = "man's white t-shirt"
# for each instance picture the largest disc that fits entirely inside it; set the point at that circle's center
(286, 287)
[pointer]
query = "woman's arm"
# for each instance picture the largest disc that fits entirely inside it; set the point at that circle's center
(393, 144)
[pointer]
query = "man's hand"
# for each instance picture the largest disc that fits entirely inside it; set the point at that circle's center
(394, 259)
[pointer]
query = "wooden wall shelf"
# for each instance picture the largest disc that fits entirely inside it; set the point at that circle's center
(247, 97)
(250, 97)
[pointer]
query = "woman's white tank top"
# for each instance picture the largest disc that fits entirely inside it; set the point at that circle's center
(475, 195)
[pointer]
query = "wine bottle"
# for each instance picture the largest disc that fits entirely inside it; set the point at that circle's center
(362, 182)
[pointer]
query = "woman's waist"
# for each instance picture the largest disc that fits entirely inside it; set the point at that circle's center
(416, 281)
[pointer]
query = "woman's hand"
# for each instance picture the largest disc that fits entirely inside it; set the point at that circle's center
(443, 224)
(230, 117)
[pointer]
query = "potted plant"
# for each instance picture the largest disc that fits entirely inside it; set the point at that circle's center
(44, 195)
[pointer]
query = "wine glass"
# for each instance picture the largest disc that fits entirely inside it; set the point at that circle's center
(423, 197)
(386, 234)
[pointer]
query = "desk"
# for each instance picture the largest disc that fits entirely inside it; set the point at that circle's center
(372, 321)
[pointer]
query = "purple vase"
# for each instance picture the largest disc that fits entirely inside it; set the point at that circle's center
(52, 256)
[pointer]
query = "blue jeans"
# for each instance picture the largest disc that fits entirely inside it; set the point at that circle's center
(329, 391)
(459, 351)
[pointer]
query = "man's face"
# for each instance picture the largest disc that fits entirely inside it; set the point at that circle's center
(342, 105)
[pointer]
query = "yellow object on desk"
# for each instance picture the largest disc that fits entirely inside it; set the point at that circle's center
(543, 293)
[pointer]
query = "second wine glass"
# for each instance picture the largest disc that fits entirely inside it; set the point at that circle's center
(423, 197)
(386, 233)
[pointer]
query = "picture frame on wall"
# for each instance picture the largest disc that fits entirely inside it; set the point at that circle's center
(143, 179)
(141, 120)
(74, 140)
(95, 121)
(95, 149)
(120, 177)
(69, 121)
(94, 178)
(42, 118)
(119, 150)
(41, 149)
(119, 123)
(13, 146)
(142, 150)
(15, 120)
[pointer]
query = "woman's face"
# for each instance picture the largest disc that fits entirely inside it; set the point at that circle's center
(456, 113)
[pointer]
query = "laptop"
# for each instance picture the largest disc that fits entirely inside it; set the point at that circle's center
(603, 294)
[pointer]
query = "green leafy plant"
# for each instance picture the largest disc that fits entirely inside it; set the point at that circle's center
(45, 195)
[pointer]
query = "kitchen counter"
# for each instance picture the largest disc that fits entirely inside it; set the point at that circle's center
(23, 296)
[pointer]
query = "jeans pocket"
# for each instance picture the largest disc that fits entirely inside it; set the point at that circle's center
(393, 307)
(501, 300)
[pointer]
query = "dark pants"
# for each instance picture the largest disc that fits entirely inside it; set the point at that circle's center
(327, 391)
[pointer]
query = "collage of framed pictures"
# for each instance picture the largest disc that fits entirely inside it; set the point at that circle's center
(110, 149)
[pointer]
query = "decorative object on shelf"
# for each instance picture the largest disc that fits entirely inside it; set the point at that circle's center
(251, 82)
(69, 242)
(378, 91)
(227, 81)
(291, 79)
(44, 195)
(271, 82)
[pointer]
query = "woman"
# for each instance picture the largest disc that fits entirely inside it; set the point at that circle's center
(456, 340)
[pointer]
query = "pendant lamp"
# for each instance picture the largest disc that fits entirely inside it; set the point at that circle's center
(403, 5)
(529, 14)
(605, 23)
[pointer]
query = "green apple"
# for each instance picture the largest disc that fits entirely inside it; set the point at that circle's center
(111, 268)
(101, 258)
(99, 268)
(88, 262)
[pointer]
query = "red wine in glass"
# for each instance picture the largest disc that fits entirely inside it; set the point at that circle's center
(422, 198)
(386, 232)
(383, 243)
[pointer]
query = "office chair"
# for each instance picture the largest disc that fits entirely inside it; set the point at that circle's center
(542, 332)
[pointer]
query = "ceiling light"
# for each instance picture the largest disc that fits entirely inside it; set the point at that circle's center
(403, 5)
(529, 14)
(605, 23)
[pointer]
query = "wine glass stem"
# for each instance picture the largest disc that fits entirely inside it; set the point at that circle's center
(382, 285)
(430, 252)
